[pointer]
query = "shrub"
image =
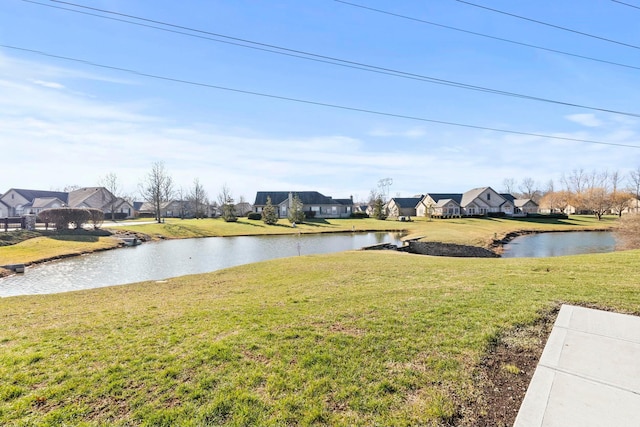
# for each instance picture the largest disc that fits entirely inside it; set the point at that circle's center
(76, 218)
(359, 215)
(254, 215)
(310, 214)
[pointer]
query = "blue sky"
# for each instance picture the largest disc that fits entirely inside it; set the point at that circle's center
(66, 122)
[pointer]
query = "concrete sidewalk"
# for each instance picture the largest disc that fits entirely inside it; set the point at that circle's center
(589, 373)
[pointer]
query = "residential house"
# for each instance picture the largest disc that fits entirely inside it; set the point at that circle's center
(442, 205)
(475, 202)
(403, 206)
(168, 209)
(526, 206)
(242, 209)
(20, 201)
(100, 198)
(4, 210)
(319, 205)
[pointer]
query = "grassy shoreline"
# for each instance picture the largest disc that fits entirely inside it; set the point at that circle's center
(489, 233)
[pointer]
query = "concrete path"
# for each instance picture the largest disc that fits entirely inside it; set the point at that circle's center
(589, 373)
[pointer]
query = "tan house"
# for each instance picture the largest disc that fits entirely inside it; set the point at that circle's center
(20, 202)
(403, 206)
(100, 198)
(319, 205)
(4, 210)
(526, 206)
(476, 202)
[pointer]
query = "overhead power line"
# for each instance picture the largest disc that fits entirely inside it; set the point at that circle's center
(551, 25)
(321, 58)
(462, 30)
(626, 4)
(309, 102)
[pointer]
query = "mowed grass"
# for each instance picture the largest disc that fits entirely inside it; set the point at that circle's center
(349, 339)
(45, 248)
(477, 231)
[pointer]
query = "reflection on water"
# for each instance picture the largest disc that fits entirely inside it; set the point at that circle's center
(171, 258)
(557, 244)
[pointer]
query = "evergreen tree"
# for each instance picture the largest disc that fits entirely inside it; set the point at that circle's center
(269, 215)
(296, 212)
(378, 209)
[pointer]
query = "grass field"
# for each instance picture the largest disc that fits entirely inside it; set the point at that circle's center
(355, 338)
(475, 231)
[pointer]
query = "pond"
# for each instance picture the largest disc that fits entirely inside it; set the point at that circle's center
(171, 258)
(558, 244)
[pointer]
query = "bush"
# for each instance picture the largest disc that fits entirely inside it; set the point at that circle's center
(254, 215)
(63, 218)
(310, 214)
(359, 215)
(496, 214)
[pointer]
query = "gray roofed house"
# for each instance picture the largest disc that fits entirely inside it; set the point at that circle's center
(318, 204)
(20, 201)
(403, 206)
(477, 201)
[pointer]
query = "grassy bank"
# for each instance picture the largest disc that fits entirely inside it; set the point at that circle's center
(39, 246)
(475, 231)
(357, 338)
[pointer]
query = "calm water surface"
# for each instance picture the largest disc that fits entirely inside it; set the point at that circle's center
(171, 258)
(557, 244)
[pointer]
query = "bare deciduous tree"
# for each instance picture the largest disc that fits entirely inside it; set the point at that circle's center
(111, 182)
(508, 185)
(226, 204)
(157, 188)
(198, 197)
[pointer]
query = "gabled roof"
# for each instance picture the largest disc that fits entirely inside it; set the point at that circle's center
(30, 195)
(345, 202)
(474, 193)
(508, 197)
(79, 196)
(444, 202)
(306, 197)
(456, 197)
(521, 202)
(406, 202)
(43, 202)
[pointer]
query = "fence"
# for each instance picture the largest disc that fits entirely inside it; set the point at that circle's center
(13, 222)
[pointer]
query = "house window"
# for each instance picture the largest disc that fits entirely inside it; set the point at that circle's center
(488, 196)
(315, 208)
(472, 211)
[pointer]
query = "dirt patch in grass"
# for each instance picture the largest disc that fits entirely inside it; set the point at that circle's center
(505, 373)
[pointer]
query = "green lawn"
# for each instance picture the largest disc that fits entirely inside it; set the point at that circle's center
(348, 339)
(478, 231)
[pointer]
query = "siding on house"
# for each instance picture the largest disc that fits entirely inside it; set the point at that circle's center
(403, 206)
(322, 206)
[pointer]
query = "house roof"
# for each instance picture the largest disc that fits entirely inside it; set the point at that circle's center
(79, 196)
(306, 197)
(521, 202)
(406, 202)
(508, 197)
(30, 195)
(43, 202)
(444, 202)
(456, 197)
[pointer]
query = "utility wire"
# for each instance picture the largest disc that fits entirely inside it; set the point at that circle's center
(309, 102)
(448, 27)
(323, 58)
(626, 4)
(550, 25)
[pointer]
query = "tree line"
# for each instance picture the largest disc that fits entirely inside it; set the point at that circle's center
(595, 192)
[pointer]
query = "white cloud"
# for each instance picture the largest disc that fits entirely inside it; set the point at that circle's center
(51, 85)
(589, 120)
(411, 133)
